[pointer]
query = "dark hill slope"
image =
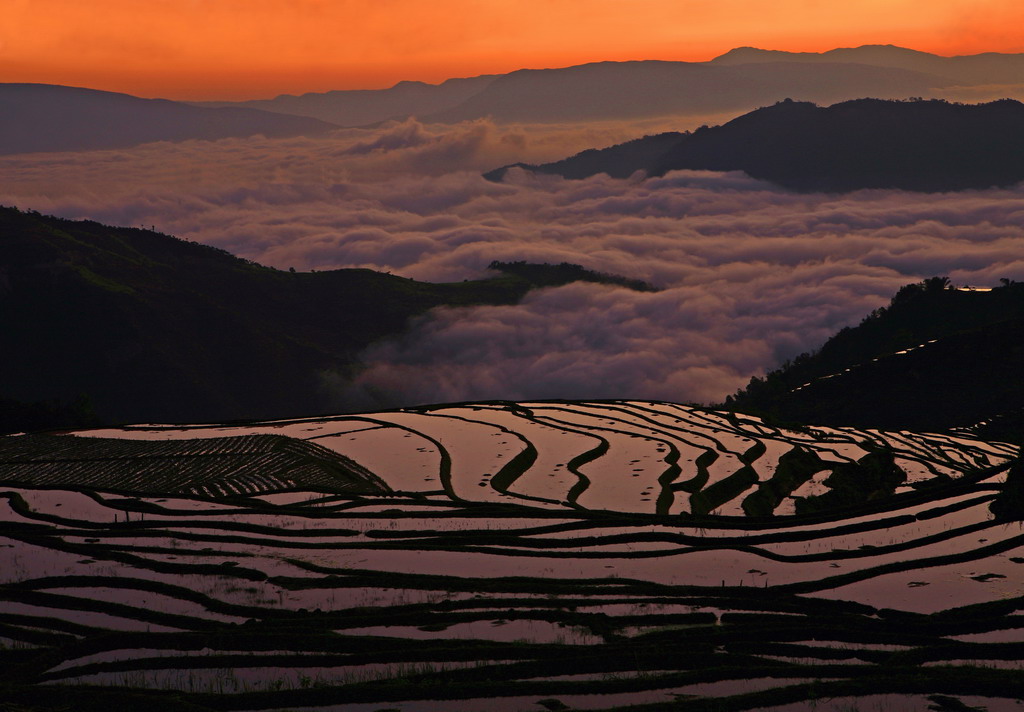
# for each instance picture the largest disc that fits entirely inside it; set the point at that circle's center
(154, 328)
(44, 117)
(866, 143)
(934, 359)
(619, 161)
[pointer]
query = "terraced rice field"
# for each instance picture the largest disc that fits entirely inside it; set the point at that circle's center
(509, 556)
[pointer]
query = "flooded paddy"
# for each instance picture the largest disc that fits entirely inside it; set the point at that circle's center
(596, 556)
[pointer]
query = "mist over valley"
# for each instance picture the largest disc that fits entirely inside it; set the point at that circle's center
(750, 273)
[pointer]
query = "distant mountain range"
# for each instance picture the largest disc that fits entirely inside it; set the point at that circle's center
(935, 358)
(43, 117)
(966, 70)
(926, 145)
(122, 324)
(38, 117)
(737, 81)
(635, 90)
(361, 107)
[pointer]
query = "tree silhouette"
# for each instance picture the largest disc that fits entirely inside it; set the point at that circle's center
(937, 284)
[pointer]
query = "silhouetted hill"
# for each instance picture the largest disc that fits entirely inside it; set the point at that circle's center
(148, 327)
(44, 117)
(627, 90)
(619, 161)
(367, 106)
(867, 143)
(976, 69)
(548, 275)
(935, 358)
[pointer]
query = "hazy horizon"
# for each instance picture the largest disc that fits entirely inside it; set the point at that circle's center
(238, 50)
(411, 77)
(297, 87)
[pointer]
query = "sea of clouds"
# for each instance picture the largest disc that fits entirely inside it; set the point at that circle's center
(750, 274)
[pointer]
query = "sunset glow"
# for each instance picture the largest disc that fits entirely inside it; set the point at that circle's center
(235, 49)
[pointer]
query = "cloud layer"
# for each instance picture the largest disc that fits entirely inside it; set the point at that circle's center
(752, 274)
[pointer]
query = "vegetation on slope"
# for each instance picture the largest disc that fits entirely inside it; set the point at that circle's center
(935, 358)
(1009, 505)
(136, 325)
(219, 466)
(547, 275)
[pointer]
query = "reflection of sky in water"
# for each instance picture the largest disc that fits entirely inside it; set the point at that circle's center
(602, 456)
(496, 575)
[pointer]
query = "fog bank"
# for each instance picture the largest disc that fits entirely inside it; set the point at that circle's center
(750, 274)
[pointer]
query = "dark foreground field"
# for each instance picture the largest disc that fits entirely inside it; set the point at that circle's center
(496, 556)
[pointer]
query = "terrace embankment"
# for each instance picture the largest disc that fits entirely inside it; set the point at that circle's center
(490, 587)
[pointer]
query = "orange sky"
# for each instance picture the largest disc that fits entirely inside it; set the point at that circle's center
(235, 49)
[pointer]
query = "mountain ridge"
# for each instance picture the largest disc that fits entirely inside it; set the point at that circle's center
(732, 83)
(743, 82)
(46, 117)
(936, 358)
(150, 327)
(361, 107)
(985, 67)
(923, 145)
(646, 88)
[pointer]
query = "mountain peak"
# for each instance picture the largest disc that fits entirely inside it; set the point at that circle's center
(411, 84)
(741, 54)
(861, 53)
